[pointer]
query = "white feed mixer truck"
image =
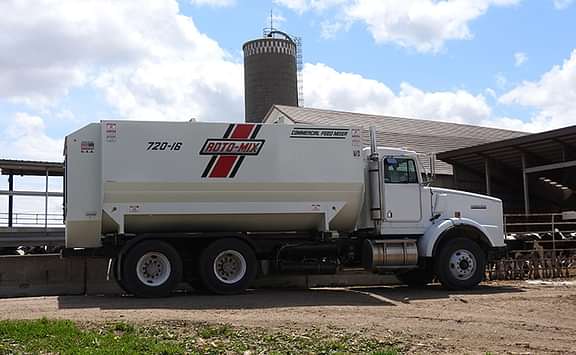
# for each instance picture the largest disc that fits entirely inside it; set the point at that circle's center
(215, 204)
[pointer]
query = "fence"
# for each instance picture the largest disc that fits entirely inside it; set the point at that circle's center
(33, 220)
(540, 245)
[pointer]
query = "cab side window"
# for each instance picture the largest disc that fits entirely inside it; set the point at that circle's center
(400, 171)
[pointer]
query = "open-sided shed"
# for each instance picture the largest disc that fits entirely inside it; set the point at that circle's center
(533, 173)
(13, 168)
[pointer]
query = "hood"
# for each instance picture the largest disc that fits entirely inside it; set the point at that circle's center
(467, 207)
(439, 190)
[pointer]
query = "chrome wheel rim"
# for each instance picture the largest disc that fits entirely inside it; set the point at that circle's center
(462, 264)
(153, 269)
(229, 267)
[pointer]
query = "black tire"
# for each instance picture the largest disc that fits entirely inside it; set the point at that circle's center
(416, 278)
(467, 271)
(116, 275)
(133, 284)
(220, 249)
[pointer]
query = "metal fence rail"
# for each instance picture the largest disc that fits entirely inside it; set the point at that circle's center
(540, 245)
(555, 231)
(30, 219)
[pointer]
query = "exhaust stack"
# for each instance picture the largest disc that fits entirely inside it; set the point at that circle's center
(374, 180)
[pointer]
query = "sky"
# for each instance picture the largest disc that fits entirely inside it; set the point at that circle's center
(64, 63)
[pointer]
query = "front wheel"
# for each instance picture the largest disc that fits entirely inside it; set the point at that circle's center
(152, 268)
(460, 264)
(227, 266)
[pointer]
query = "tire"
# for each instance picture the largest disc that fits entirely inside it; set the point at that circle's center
(156, 257)
(116, 272)
(116, 275)
(460, 264)
(227, 266)
(416, 278)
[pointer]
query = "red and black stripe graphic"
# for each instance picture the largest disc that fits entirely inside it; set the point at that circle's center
(226, 166)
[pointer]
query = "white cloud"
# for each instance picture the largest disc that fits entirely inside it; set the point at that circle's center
(150, 60)
(214, 3)
(187, 76)
(176, 89)
(520, 58)
(328, 88)
(24, 137)
(562, 4)
(553, 96)
(53, 45)
(421, 24)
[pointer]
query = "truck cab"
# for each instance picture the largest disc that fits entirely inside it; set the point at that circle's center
(412, 217)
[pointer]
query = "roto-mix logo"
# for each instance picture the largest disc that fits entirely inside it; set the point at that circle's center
(228, 153)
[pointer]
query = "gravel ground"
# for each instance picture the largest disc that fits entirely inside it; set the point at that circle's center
(498, 317)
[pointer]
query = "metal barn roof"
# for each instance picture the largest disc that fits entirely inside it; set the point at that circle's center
(28, 167)
(542, 163)
(546, 148)
(422, 136)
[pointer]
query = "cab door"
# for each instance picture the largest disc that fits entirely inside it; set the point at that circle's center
(402, 200)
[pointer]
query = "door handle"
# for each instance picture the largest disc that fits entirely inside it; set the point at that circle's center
(389, 214)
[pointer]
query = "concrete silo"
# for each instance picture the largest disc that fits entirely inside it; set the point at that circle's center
(270, 74)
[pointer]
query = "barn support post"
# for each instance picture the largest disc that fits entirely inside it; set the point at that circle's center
(525, 185)
(46, 201)
(487, 177)
(10, 200)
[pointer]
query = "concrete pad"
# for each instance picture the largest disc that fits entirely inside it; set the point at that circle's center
(40, 275)
(351, 278)
(342, 279)
(51, 275)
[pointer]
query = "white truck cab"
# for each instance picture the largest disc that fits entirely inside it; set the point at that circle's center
(411, 206)
(452, 232)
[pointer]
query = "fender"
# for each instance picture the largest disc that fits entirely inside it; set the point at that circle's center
(434, 233)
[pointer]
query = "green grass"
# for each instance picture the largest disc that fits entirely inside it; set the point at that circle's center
(65, 337)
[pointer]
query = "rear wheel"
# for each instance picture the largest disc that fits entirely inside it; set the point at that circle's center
(152, 268)
(460, 264)
(115, 273)
(416, 278)
(227, 266)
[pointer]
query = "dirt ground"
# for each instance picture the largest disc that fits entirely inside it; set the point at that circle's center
(499, 317)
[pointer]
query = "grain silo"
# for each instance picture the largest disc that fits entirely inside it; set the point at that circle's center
(270, 74)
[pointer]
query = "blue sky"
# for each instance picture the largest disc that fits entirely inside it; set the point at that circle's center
(536, 28)
(502, 63)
